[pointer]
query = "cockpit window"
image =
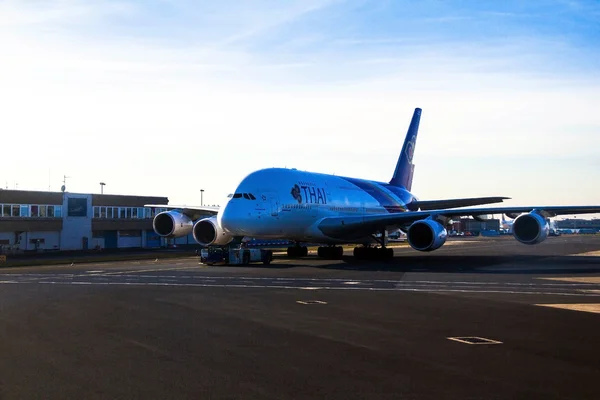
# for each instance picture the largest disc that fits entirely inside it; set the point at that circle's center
(247, 196)
(230, 195)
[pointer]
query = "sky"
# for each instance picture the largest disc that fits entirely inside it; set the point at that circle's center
(166, 98)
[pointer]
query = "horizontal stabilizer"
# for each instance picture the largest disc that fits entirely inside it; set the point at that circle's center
(427, 205)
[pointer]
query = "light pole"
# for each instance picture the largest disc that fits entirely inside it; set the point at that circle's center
(102, 187)
(201, 197)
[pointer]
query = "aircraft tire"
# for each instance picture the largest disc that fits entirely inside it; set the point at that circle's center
(293, 252)
(389, 253)
(304, 251)
(269, 257)
(360, 253)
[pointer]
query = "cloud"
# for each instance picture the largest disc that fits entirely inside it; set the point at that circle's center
(162, 97)
(267, 19)
(18, 13)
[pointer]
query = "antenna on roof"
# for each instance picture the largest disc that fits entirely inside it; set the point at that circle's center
(64, 186)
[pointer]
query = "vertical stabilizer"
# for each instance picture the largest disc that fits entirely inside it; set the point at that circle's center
(405, 168)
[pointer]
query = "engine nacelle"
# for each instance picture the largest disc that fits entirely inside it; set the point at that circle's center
(208, 232)
(426, 235)
(530, 228)
(172, 224)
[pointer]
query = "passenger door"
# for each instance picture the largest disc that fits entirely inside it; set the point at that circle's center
(274, 204)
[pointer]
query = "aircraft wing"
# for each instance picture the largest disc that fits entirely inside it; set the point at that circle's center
(360, 226)
(194, 212)
(424, 205)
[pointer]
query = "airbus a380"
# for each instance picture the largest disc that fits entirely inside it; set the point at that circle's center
(307, 207)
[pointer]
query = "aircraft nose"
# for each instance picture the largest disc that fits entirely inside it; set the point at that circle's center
(230, 218)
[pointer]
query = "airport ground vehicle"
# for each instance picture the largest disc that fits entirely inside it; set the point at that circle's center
(227, 255)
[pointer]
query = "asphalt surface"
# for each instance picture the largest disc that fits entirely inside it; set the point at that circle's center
(310, 328)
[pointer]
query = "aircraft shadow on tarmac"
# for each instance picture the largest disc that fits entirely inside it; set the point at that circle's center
(501, 264)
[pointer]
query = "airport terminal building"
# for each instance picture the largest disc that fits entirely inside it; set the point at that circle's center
(46, 221)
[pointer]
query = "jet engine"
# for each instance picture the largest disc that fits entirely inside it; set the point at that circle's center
(530, 228)
(172, 224)
(426, 235)
(208, 232)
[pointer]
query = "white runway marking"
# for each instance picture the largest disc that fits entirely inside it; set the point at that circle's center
(474, 340)
(137, 271)
(195, 277)
(266, 286)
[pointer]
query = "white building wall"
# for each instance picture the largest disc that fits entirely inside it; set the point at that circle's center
(51, 240)
(10, 236)
(75, 228)
(97, 242)
(188, 239)
(127, 241)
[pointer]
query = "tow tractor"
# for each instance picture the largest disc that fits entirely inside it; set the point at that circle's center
(214, 255)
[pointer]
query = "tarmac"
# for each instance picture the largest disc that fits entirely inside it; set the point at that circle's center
(311, 328)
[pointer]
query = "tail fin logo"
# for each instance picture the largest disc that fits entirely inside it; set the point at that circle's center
(410, 149)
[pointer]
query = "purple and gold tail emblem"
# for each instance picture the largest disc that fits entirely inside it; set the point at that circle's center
(296, 193)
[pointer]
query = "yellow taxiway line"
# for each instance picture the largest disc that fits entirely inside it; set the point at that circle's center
(578, 279)
(586, 307)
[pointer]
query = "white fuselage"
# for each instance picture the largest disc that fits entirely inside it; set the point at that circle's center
(289, 204)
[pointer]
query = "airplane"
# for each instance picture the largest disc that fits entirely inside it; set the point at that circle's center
(330, 210)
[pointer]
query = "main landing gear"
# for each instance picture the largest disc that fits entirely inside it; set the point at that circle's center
(297, 251)
(331, 252)
(373, 253)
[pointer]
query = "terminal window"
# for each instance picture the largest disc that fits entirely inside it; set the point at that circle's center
(77, 207)
(130, 233)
